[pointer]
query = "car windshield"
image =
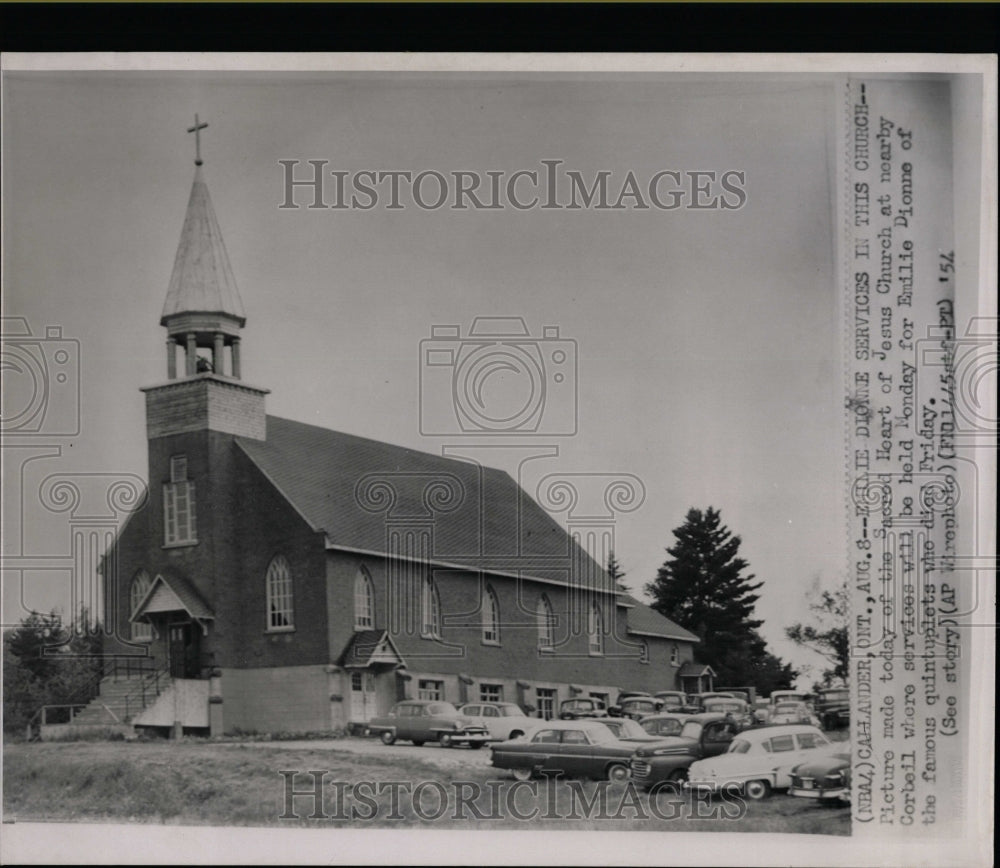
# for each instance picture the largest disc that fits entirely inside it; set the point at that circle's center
(601, 735)
(836, 696)
(741, 745)
(725, 706)
(662, 726)
(691, 729)
(441, 708)
(787, 707)
(630, 729)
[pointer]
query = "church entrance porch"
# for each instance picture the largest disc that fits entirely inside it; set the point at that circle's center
(184, 649)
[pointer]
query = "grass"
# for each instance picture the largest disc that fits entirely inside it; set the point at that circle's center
(204, 783)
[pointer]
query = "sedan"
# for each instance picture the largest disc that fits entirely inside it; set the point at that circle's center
(664, 725)
(576, 748)
(422, 720)
(759, 761)
(827, 779)
(626, 729)
(574, 709)
(504, 720)
(792, 712)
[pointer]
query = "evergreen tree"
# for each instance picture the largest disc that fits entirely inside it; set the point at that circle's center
(615, 572)
(704, 588)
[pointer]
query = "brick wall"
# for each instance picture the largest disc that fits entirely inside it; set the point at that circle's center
(205, 402)
(275, 699)
(462, 650)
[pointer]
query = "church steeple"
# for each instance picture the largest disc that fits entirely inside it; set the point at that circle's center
(203, 308)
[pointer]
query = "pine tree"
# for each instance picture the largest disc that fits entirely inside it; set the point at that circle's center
(704, 588)
(615, 572)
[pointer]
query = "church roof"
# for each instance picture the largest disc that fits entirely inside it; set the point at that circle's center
(202, 280)
(356, 490)
(645, 621)
(369, 646)
(173, 591)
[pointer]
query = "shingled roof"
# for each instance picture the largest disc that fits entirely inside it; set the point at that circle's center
(353, 489)
(202, 280)
(644, 621)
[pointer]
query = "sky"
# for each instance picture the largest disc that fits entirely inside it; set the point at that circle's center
(707, 341)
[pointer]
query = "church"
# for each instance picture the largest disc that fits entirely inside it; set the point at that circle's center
(286, 577)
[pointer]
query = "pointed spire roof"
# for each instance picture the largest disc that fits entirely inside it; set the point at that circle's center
(202, 280)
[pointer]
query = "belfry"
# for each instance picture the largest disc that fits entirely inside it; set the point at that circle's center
(203, 309)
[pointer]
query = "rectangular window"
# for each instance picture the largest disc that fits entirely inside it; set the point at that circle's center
(546, 702)
(179, 520)
(782, 743)
(491, 692)
(427, 689)
(178, 468)
(600, 697)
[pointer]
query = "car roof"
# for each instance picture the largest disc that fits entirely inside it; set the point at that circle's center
(570, 724)
(705, 716)
(765, 732)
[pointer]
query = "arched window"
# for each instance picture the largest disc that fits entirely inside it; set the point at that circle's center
(141, 630)
(364, 601)
(595, 632)
(430, 609)
(491, 617)
(280, 604)
(546, 624)
(675, 657)
(643, 651)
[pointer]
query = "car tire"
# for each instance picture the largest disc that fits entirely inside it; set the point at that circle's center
(445, 739)
(676, 779)
(475, 745)
(757, 790)
(388, 737)
(418, 742)
(618, 772)
(522, 774)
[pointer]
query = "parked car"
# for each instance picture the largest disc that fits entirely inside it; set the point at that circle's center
(664, 725)
(786, 696)
(577, 748)
(695, 702)
(673, 700)
(827, 779)
(747, 693)
(737, 709)
(626, 729)
(423, 720)
(504, 720)
(702, 735)
(629, 698)
(638, 707)
(759, 761)
(574, 709)
(792, 712)
(833, 707)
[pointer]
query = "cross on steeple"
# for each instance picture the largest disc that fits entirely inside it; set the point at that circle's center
(196, 129)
